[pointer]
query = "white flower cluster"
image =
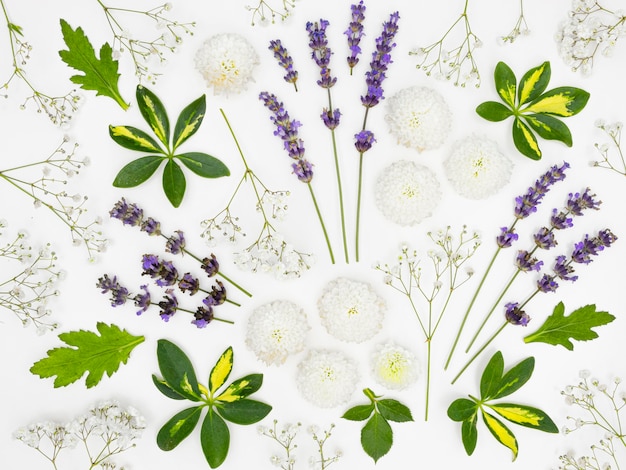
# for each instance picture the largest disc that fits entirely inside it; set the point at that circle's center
(606, 150)
(589, 28)
(419, 118)
(394, 367)
(227, 61)
(476, 168)
(106, 430)
(351, 310)
(327, 378)
(276, 330)
(407, 193)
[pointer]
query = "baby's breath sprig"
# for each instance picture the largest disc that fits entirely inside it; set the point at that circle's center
(320, 439)
(265, 11)
(447, 258)
(142, 50)
(452, 62)
(602, 405)
(58, 108)
(285, 437)
(520, 28)
(48, 190)
(614, 131)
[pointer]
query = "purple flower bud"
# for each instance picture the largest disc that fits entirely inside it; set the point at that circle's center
(547, 284)
(163, 271)
(210, 265)
(142, 300)
(129, 214)
(577, 202)
(189, 283)
(560, 220)
(176, 243)
(355, 33)
(119, 293)
(526, 263)
(364, 141)
(303, 170)
(202, 317)
(527, 204)
(331, 119)
(606, 238)
(285, 61)
(544, 238)
(321, 52)
(217, 296)
(515, 315)
(563, 269)
(506, 238)
(151, 226)
(168, 306)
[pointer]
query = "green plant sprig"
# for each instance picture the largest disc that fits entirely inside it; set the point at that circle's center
(230, 404)
(187, 124)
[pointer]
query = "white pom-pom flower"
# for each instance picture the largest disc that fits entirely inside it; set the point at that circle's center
(394, 367)
(476, 168)
(351, 310)
(419, 118)
(327, 378)
(407, 193)
(276, 330)
(227, 61)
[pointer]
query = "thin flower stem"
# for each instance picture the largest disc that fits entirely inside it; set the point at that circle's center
(214, 318)
(319, 216)
(358, 207)
(428, 341)
(482, 348)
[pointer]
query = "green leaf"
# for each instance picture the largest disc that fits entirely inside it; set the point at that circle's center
(502, 434)
(134, 139)
(525, 416)
(244, 411)
(393, 410)
(359, 412)
(533, 83)
(88, 352)
(178, 428)
(376, 437)
(525, 141)
(515, 377)
(137, 171)
(549, 128)
(469, 433)
(506, 84)
(215, 439)
(462, 409)
(558, 329)
(99, 74)
(204, 165)
(189, 121)
(165, 389)
(562, 101)
(174, 183)
(154, 113)
(177, 370)
(493, 111)
(492, 375)
(15, 28)
(241, 388)
(221, 370)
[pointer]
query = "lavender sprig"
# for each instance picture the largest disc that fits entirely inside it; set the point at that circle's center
(355, 34)
(285, 61)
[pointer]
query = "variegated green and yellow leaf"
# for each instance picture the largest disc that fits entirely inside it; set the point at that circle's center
(134, 139)
(502, 434)
(221, 370)
(506, 83)
(178, 428)
(525, 416)
(562, 101)
(241, 388)
(189, 121)
(549, 128)
(154, 113)
(533, 83)
(525, 141)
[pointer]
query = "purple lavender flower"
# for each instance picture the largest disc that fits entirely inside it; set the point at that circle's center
(176, 243)
(151, 226)
(355, 33)
(202, 317)
(285, 61)
(331, 119)
(321, 53)
(585, 249)
(545, 238)
(303, 170)
(168, 306)
(606, 238)
(129, 214)
(507, 237)
(210, 265)
(563, 269)
(577, 202)
(527, 204)
(119, 293)
(217, 296)
(525, 262)
(142, 300)
(560, 220)
(364, 141)
(163, 271)
(515, 315)
(547, 284)
(189, 283)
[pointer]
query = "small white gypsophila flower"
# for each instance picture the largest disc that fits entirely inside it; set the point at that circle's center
(276, 330)
(476, 168)
(407, 193)
(227, 61)
(327, 378)
(393, 366)
(351, 310)
(419, 118)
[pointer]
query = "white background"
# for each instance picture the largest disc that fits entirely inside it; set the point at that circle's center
(27, 136)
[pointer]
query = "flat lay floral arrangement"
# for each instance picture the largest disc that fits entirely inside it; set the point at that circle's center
(291, 234)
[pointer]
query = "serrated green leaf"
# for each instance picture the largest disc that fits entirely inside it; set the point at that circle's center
(462, 409)
(244, 411)
(559, 329)
(525, 416)
(525, 141)
(221, 370)
(154, 113)
(137, 171)
(177, 370)
(493, 111)
(204, 165)
(174, 183)
(215, 439)
(189, 121)
(533, 83)
(165, 389)
(376, 437)
(178, 428)
(88, 353)
(359, 412)
(469, 433)
(393, 410)
(549, 128)
(134, 139)
(241, 388)
(99, 74)
(562, 101)
(502, 434)
(506, 83)
(491, 377)
(515, 377)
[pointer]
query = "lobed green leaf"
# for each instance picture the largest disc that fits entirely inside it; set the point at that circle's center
(178, 428)
(137, 171)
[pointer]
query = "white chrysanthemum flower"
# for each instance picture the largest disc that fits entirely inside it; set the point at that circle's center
(351, 310)
(226, 61)
(276, 330)
(419, 118)
(394, 367)
(407, 192)
(327, 378)
(476, 168)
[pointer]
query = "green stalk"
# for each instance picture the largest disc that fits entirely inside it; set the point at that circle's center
(482, 348)
(358, 198)
(319, 216)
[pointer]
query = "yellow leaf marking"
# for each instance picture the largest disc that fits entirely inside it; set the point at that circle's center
(121, 131)
(555, 104)
(532, 142)
(529, 85)
(504, 436)
(508, 94)
(518, 415)
(232, 393)
(221, 369)
(189, 128)
(157, 126)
